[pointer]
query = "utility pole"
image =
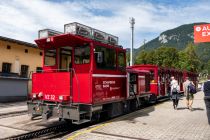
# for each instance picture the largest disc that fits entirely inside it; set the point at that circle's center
(132, 22)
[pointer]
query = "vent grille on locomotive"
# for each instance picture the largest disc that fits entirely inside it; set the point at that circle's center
(82, 30)
(86, 31)
(47, 33)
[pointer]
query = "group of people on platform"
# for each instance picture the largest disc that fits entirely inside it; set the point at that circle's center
(189, 91)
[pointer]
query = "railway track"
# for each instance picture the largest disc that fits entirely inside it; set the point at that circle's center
(49, 133)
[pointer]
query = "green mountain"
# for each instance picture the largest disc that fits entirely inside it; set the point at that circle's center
(178, 38)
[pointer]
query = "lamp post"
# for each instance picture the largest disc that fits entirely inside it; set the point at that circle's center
(132, 22)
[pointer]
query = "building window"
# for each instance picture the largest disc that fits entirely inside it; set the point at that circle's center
(24, 71)
(6, 67)
(8, 47)
(40, 54)
(26, 50)
(38, 69)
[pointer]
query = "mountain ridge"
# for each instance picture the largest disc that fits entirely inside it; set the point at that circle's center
(178, 38)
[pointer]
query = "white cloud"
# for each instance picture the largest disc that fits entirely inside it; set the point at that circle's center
(21, 19)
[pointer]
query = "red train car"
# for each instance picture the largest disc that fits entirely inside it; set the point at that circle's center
(160, 79)
(84, 74)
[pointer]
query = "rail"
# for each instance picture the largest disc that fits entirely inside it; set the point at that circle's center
(38, 133)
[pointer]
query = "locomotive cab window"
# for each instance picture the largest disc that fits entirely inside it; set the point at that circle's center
(50, 57)
(65, 58)
(82, 55)
(105, 58)
(121, 61)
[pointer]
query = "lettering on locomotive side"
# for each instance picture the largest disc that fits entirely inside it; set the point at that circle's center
(114, 88)
(106, 84)
(49, 97)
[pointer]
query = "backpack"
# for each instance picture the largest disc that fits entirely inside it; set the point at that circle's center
(174, 90)
(191, 88)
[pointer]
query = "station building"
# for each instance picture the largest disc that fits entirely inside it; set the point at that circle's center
(18, 59)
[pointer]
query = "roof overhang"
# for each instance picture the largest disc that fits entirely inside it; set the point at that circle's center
(62, 40)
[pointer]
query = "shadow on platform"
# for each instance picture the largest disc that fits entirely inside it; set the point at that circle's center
(131, 117)
(194, 109)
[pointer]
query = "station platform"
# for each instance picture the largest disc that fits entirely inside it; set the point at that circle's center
(8, 108)
(158, 122)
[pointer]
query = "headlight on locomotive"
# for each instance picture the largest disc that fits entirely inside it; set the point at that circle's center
(34, 95)
(60, 98)
(40, 94)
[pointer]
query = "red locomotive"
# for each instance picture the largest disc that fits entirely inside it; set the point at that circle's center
(84, 74)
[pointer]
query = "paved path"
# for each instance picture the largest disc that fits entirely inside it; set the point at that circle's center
(160, 122)
(6, 108)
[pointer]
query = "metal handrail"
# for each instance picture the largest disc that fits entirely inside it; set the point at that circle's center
(55, 70)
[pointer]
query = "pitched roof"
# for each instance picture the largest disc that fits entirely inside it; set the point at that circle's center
(18, 42)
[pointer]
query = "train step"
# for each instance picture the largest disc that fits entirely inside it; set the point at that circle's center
(80, 121)
(83, 112)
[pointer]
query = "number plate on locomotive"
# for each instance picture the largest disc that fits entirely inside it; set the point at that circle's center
(49, 97)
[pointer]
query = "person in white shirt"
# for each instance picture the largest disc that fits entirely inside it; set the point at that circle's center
(175, 92)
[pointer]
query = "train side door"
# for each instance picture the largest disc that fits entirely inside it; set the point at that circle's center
(161, 83)
(81, 74)
(132, 81)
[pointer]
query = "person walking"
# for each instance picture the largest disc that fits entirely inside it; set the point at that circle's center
(174, 92)
(206, 90)
(189, 96)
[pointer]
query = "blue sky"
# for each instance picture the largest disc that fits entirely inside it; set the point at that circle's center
(21, 19)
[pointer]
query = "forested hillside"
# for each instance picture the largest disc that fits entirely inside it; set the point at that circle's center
(175, 48)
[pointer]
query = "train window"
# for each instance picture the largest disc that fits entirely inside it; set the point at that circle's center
(121, 61)
(105, 58)
(152, 78)
(50, 57)
(38, 69)
(65, 58)
(133, 78)
(82, 55)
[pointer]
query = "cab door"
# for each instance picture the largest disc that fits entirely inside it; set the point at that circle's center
(82, 74)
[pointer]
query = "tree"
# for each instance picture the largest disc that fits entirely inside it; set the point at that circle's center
(208, 66)
(141, 58)
(189, 59)
(166, 57)
(183, 61)
(150, 57)
(186, 59)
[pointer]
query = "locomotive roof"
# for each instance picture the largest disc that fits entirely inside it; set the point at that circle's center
(68, 40)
